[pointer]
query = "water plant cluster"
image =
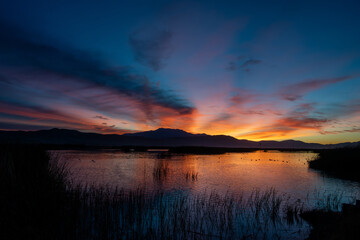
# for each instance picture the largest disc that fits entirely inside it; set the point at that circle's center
(190, 175)
(39, 202)
(161, 172)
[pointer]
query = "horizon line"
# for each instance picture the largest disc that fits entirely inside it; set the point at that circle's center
(85, 131)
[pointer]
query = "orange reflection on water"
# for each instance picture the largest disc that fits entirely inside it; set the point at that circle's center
(235, 173)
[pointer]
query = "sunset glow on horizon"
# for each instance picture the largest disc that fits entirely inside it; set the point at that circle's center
(255, 71)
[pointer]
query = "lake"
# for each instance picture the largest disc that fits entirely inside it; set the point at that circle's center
(191, 180)
(234, 173)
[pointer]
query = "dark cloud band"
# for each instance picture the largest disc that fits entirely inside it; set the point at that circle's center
(17, 49)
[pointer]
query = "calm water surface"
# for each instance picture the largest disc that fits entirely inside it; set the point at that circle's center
(235, 173)
(231, 173)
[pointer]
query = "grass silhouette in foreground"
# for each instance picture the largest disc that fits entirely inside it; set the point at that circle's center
(342, 163)
(33, 202)
(331, 225)
(38, 202)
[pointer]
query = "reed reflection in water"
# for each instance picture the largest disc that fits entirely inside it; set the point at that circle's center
(287, 172)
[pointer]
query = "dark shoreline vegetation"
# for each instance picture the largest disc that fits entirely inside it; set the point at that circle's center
(38, 202)
(342, 163)
(180, 149)
(334, 225)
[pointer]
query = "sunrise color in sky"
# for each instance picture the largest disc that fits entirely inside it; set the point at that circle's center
(250, 69)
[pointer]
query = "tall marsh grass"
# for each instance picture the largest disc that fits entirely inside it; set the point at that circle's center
(34, 201)
(118, 214)
(38, 202)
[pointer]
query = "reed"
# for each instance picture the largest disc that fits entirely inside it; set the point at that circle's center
(161, 172)
(190, 175)
(34, 202)
(39, 202)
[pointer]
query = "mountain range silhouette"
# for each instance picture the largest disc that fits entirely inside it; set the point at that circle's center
(162, 137)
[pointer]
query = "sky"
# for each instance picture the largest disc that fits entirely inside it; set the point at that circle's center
(257, 70)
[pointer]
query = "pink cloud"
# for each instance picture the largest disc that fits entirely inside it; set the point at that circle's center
(296, 91)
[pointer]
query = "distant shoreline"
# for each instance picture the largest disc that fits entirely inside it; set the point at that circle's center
(181, 149)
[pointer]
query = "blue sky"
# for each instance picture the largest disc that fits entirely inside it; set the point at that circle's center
(250, 69)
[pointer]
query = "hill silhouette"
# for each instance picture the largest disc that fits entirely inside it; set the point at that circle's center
(162, 137)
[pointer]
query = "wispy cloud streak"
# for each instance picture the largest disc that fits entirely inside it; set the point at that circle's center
(296, 91)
